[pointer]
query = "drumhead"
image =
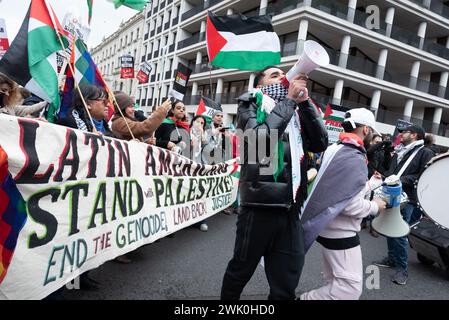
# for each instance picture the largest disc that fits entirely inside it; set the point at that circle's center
(433, 190)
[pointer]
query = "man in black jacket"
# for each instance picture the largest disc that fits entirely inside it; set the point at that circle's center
(268, 225)
(408, 162)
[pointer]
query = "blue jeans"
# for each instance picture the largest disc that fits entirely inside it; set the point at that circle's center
(398, 247)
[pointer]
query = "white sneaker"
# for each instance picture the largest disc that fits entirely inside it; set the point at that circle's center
(204, 227)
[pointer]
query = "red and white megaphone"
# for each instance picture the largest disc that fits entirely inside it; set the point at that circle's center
(312, 57)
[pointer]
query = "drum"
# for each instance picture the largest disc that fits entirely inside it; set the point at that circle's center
(433, 190)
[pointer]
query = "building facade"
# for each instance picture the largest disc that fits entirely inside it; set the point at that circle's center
(391, 56)
(126, 40)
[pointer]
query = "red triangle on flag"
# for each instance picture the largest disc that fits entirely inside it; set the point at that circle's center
(328, 111)
(201, 108)
(215, 42)
(40, 11)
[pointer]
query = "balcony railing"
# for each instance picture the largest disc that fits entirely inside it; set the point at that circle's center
(436, 49)
(440, 8)
(230, 97)
(289, 49)
(331, 7)
(197, 38)
(192, 12)
(192, 100)
(275, 8)
(202, 67)
(405, 36)
(390, 117)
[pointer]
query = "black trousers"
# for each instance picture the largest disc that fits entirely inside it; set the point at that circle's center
(276, 234)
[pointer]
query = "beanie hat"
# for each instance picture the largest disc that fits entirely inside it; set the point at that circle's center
(123, 100)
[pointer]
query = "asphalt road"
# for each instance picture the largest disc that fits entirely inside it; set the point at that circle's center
(191, 266)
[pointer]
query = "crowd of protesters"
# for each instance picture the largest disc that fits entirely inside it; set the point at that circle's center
(169, 127)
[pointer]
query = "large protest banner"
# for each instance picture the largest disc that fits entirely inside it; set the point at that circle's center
(88, 199)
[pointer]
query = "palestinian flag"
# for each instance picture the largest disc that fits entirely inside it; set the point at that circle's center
(31, 60)
(243, 43)
(207, 109)
(138, 5)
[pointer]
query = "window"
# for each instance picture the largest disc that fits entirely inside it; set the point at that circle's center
(132, 37)
(137, 33)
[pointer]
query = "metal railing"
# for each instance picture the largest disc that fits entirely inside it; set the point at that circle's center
(390, 117)
(289, 49)
(405, 36)
(334, 8)
(192, 12)
(199, 37)
(283, 6)
(203, 67)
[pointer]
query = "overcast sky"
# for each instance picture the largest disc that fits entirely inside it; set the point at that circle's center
(105, 20)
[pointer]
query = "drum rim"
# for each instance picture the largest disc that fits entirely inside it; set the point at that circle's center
(429, 164)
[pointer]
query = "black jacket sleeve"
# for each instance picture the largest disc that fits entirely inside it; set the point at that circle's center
(314, 133)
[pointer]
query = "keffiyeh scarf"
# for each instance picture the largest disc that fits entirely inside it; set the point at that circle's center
(266, 99)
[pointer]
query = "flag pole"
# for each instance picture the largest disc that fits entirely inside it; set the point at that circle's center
(70, 66)
(210, 81)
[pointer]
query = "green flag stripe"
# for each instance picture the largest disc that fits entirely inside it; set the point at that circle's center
(246, 60)
(42, 42)
(46, 77)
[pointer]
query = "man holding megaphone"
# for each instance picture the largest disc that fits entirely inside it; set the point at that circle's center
(268, 225)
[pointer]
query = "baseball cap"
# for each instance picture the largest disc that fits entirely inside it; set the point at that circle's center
(361, 116)
(414, 129)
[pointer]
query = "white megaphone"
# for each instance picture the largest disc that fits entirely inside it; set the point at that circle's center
(312, 57)
(390, 223)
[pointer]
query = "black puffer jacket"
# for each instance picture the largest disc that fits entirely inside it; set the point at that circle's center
(412, 172)
(259, 190)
